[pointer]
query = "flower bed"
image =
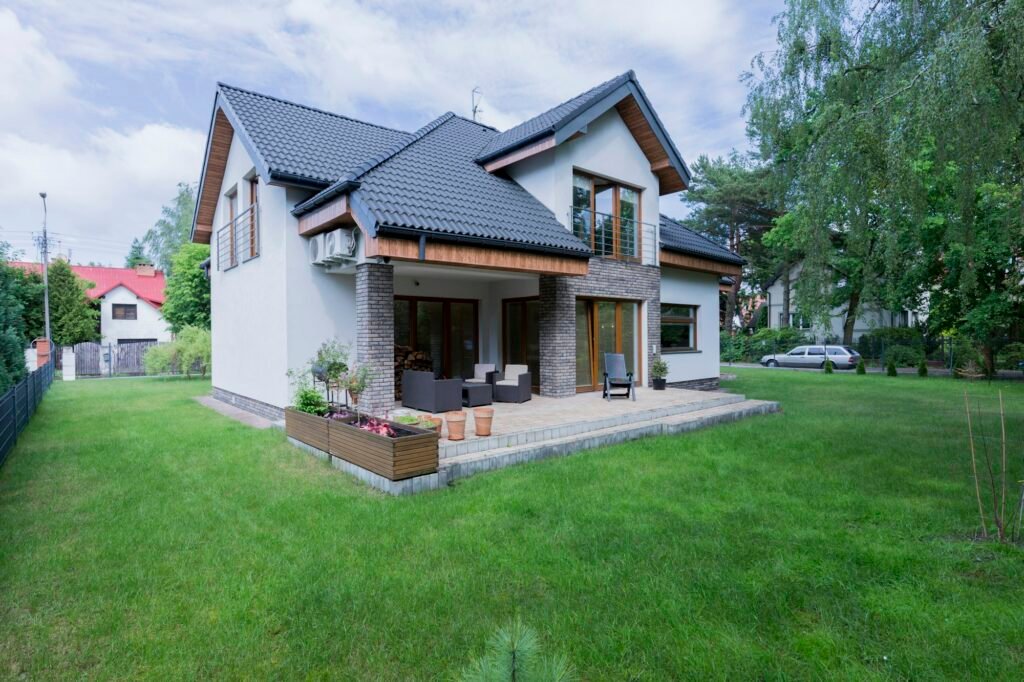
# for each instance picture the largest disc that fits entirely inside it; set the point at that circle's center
(387, 448)
(311, 429)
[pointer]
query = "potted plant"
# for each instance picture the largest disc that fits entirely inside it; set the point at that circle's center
(355, 380)
(304, 420)
(659, 372)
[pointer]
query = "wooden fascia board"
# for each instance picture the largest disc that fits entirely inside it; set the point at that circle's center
(325, 217)
(474, 256)
(682, 261)
(214, 163)
(526, 152)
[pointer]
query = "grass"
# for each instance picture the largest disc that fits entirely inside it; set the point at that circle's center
(142, 535)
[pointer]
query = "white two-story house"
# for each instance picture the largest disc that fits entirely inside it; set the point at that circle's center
(541, 245)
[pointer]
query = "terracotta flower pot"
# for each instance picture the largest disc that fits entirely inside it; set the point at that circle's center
(482, 418)
(437, 422)
(456, 425)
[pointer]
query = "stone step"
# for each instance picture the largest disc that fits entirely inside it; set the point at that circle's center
(460, 466)
(543, 434)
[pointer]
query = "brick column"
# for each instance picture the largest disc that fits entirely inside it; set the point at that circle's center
(557, 337)
(653, 306)
(375, 334)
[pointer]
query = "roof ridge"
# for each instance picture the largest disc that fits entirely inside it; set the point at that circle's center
(221, 84)
(469, 120)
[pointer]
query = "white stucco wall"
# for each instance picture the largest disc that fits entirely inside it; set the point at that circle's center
(149, 324)
(699, 289)
(608, 150)
(248, 304)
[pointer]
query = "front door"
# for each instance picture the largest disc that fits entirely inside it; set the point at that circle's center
(603, 327)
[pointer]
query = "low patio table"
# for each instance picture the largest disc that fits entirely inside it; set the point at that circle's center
(474, 395)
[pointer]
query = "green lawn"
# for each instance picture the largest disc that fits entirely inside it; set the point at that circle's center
(142, 535)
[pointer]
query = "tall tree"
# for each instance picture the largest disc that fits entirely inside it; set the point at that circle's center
(187, 296)
(136, 254)
(74, 317)
(12, 323)
(731, 201)
(164, 239)
(845, 108)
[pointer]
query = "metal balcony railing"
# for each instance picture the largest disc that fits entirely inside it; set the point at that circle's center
(610, 236)
(239, 240)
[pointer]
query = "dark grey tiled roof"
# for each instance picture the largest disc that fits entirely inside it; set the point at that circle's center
(432, 185)
(550, 120)
(303, 142)
(675, 237)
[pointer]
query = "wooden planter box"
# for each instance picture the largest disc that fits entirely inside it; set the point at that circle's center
(414, 453)
(309, 428)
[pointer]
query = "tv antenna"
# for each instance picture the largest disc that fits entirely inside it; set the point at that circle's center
(477, 95)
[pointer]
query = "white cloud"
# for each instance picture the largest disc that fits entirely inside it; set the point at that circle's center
(32, 78)
(105, 192)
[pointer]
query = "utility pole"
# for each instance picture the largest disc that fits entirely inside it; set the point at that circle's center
(46, 279)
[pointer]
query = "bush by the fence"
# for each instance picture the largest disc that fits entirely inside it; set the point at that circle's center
(877, 343)
(904, 356)
(744, 348)
(190, 353)
(1010, 356)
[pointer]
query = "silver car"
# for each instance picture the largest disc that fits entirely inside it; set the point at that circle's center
(842, 357)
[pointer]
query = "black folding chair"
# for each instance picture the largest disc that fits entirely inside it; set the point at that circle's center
(616, 376)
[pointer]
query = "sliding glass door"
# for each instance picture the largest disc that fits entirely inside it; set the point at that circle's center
(436, 334)
(521, 334)
(603, 327)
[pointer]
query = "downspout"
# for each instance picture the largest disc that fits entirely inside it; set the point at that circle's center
(423, 247)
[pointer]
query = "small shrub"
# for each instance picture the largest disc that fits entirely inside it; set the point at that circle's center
(310, 401)
(1010, 356)
(514, 653)
(194, 348)
(659, 368)
(890, 368)
(861, 367)
(161, 359)
(732, 347)
(828, 367)
(922, 368)
(904, 356)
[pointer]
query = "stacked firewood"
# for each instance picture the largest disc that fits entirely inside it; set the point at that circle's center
(407, 358)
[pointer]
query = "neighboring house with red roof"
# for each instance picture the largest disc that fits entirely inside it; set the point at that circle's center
(131, 301)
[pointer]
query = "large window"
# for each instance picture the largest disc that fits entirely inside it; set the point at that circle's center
(678, 328)
(436, 334)
(606, 215)
(124, 311)
(238, 240)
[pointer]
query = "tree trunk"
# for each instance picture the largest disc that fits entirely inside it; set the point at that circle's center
(851, 318)
(988, 354)
(786, 292)
(730, 304)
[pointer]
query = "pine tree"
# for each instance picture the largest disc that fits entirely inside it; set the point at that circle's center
(166, 237)
(12, 324)
(74, 318)
(136, 255)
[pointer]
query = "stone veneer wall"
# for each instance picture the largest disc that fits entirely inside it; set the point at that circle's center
(709, 384)
(606, 279)
(375, 334)
(259, 407)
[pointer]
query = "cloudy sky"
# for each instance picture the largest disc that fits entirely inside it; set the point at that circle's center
(106, 104)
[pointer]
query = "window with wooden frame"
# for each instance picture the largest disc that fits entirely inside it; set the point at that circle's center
(440, 334)
(227, 247)
(606, 215)
(678, 328)
(124, 311)
(251, 219)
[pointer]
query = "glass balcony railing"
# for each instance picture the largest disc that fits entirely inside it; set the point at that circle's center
(610, 236)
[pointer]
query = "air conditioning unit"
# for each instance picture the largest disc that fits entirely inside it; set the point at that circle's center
(340, 245)
(316, 250)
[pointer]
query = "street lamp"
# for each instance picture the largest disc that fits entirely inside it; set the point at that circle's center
(46, 279)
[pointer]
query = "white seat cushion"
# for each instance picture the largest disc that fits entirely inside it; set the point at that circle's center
(480, 373)
(513, 371)
(507, 382)
(476, 381)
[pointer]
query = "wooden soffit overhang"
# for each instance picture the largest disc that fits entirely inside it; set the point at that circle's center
(685, 262)
(216, 160)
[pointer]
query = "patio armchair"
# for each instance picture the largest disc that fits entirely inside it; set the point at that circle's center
(512, 385)
(616, 376)
(482, 374)
(421, 391)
